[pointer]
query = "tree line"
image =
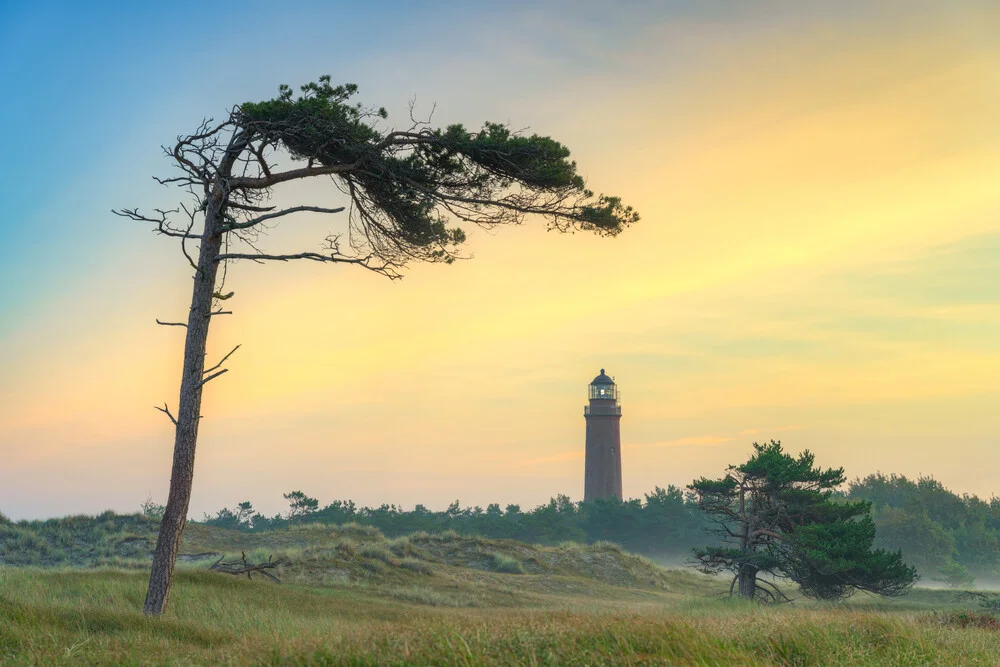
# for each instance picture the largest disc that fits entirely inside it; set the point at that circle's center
(663, 524)
(773, 519)
(947, 537)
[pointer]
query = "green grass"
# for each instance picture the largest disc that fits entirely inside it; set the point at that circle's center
(503, 563)
(78, 541)
(416, 565)
(351, 596)
(92, 617)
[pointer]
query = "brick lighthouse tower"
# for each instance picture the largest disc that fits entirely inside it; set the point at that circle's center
(603, 475)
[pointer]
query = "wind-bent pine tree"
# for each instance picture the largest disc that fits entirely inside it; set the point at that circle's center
(408, 191)
(777, 516)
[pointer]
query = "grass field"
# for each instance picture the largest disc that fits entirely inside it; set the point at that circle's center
(350, 596)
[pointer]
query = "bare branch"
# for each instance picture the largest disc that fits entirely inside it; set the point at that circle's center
(220, 312)
(278, 214)
(178, 180)
(245, 183)
(162, 222)
(387, 269)
(212, 377)
(258, 152)
(171, 324)
(188, 235)
(248, 207)
(774, 591)
(165, 410)
(370, 261)
(206, 372)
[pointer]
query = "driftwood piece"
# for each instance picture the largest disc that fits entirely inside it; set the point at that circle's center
(242, 566)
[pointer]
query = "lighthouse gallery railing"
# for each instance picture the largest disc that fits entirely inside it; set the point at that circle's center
(602, 410)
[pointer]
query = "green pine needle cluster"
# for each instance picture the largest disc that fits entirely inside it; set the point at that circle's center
(778, 516)
(412, 189)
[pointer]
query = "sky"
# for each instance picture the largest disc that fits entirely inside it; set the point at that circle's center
(818, 259)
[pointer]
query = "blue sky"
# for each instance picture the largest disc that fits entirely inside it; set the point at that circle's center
(817, 260)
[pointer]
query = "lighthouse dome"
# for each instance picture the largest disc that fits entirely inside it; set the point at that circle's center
(602, 379)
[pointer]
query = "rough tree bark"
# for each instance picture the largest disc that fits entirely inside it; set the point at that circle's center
(747, 581)
(192, 383)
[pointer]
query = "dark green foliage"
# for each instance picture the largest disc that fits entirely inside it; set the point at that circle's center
(407, 186)
(932, 525)
(777, 516)
(299, 505)
(665, 525)
(234, 519)
(831, 560)
(925, 542)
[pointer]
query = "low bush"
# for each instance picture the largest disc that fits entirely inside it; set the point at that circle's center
(498, 562)
(415, 565)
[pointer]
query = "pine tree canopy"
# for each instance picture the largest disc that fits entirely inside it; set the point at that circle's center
(411, 189)
(779, 517)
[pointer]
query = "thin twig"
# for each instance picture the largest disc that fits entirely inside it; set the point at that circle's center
(223, 360)
(212, 377)
(165, 410)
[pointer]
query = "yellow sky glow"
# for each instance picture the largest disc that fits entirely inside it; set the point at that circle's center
(777, 187)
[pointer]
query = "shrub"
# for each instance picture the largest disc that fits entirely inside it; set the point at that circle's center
(403, 547)
(347, 549)
(375, 552)
(361, 531)
(152, 510)
(501, 563)
(415, 565)
(374, 566)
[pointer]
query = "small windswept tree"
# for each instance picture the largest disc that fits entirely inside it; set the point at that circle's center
(777, 517)
(300, 505)
(408, 194)
(955, 575)
(239, 518)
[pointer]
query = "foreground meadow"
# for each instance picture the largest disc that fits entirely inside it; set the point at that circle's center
(351, 596)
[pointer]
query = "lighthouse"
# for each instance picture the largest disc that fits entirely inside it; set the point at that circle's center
(603, 468)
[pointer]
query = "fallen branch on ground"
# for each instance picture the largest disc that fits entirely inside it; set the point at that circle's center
(241, 566)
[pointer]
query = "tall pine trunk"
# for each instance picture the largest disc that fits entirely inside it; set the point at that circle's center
(188, 411)
(192, 378)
